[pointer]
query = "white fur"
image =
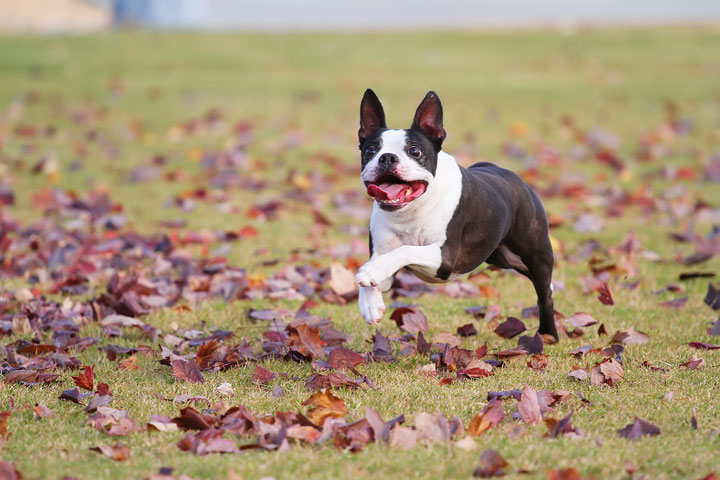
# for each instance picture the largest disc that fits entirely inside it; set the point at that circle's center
(372, 307)
(412, 236)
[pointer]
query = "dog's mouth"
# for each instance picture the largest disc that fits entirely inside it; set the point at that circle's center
(392, 193)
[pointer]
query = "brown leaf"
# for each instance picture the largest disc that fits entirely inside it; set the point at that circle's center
(563, 474)
(207, 441)
(119, 452)
(324, 405)
(712, 297)
(262, 375)
(205, 353)
(510, 327)
(489, 417)
(403, 438)
(310, 338)
(447, 338)
(476, 369)
(432, 428)
(580, 320)
(191, 419)
(562, 427)
(73, 395)
(528, 406)
(342, 280)
(188, 371)
(42, 411)
(537, 362)
(704, 346)
(493, 465)
(411, 319)
(694, 362)
(630, 337)
(608, 372)
(533, 344)
(714, 331)
(344, 358)
(318, 381)
(605, 294)
(86, 378)
(9, 472)
(129, 363)
(4, 434)
(467, 330)
(637, 429)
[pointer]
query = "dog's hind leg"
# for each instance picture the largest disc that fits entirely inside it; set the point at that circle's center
(540, 266)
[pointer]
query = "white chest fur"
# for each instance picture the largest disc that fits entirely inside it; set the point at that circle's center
(425, 220)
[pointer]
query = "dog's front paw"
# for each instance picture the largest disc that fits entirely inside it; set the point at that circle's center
(372, 306)
(370, 275)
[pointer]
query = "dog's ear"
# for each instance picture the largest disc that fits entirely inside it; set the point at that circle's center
(429, 118)
(372, 116)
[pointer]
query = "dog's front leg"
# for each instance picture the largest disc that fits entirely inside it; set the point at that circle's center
(380, 268)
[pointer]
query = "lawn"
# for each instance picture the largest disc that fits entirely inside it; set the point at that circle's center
(241, 150)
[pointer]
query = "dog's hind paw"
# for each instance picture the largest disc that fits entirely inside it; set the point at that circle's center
(372, 306)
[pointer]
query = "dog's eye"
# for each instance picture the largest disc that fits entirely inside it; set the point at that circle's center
(414, 152)
(370, 150)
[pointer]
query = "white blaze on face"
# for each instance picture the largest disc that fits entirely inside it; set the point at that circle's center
(407, 169)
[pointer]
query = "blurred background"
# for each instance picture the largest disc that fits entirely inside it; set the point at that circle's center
(290, 15)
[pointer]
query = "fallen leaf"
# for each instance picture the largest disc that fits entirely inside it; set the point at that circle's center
(403, 438)
(86, 378)
(704, 346)
(528, 406)
(489, 417)
(119, 452)
(432, 428)
(510, 327)
(712, 297)
(580, 320)
(262, 375)
(467, 330)
(9, 472)
(344, 358)
(608, 372)
(411, 319)
(205, 353)
(493, 465)
(129, 363)
(342, 280)
(310, 337)
(324, 405)
(637, 429)
(630, 337)
(563, 474)
(188, 371)
(42, 411)
(537, 362)
(694, 362)
(605, 294)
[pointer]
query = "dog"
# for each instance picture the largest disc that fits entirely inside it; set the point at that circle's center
(440, 220)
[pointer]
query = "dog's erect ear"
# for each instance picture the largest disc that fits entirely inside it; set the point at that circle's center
(429, 118)
(372, 116)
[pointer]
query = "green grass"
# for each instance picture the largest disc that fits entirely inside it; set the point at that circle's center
(619, 79)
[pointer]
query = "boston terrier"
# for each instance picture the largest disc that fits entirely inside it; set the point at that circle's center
(440, 220)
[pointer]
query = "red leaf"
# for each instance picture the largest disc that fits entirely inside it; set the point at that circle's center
(86, 379)
(411, 319)
(704, 346)
(310, 338)
(205, 353)
(119, 452)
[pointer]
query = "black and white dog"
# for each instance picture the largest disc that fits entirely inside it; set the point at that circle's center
(440, 220)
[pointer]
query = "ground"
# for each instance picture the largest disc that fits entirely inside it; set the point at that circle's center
(616, 129)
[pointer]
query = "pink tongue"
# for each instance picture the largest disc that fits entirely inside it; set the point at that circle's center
(386, 191)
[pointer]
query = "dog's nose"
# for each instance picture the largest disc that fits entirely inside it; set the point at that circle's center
(387, 159)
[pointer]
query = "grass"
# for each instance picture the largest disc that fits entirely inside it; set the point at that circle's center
(135, 87)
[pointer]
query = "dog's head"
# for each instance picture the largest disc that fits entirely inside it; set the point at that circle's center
(398, 166)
